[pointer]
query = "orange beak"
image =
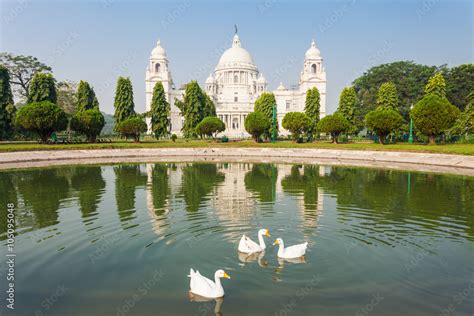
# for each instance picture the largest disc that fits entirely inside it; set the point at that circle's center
(276, 242)
(226, 275)
(267, 233)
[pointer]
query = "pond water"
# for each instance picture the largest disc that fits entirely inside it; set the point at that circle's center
(120, 239)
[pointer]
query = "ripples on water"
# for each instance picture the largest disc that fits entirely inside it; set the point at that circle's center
(393, 241)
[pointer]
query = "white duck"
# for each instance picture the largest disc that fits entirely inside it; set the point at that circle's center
(247, 245)
(295, 251)
(202, 286)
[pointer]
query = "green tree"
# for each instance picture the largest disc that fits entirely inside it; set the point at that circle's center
(256, 124)
(123, 102)
(409, 78)
(348, 102)
(297, 123)
(193, 108)
(334, 125)
(160, 112)
(85, 97)
(42, 88)
(434, 115)
(264, 104)
(465, 123)
(210, 108)
(387, 96)
(383, 121)
(262, 180)
(436, 85)
(210, 126)
(66, 96)
(312, 109)
(88, 122)
(22, 69)
(459, 83)
(6, 101)
(43, 118)
(132, 127)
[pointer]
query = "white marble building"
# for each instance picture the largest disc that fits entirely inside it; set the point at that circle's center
(235, 84)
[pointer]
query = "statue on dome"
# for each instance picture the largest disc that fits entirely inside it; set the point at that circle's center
(235, 27)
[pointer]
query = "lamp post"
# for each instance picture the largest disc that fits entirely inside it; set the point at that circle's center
(274, 123)
(410, 138)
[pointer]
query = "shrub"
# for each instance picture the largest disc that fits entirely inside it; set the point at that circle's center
(334, 125)
(256, 123)
(210, 126)
(383, 121)
(174, 137)
(88, 122)
(43, 118)
(297, 123)
(433, 115)
(132, 127)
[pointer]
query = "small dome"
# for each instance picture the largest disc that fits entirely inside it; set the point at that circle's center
(158, 51)
(235, 56)
(313, 52)
(210, 79)
(281, 87)
(261, 79)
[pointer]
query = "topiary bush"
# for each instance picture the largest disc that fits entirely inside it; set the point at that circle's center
(434, 115)
(42, 118)
(88, 122)
(334, 125)
(297, 123)
(210, 126)
(256, 123)
(383, 121)
(132, 127)
(174, 138)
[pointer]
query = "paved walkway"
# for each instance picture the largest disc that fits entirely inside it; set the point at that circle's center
(457, 164)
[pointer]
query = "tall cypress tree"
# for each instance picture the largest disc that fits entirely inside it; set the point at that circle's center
(123, 102)
(387, 97)
(264, 104)
(160, 112)
(193, 108)
(436, 85)
(210, 108)
(6, 100)
(347, 106)
(42, 88)
(312, 109)
(85, 97)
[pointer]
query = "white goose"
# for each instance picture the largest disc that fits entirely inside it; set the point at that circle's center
(202, 286)
(247, 245)
(295, 251)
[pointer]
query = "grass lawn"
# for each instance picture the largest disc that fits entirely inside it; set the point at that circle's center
(460, 149)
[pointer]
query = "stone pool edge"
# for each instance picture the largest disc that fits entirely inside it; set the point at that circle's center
(429, 162)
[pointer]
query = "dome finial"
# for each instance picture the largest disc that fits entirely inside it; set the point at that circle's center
(235, 28)
(313, 43)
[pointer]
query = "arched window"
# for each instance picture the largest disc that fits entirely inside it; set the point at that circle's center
(313, 68)
(236, 79)
(157, 67)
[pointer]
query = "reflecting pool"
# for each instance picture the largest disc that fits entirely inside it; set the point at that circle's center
(120, 239)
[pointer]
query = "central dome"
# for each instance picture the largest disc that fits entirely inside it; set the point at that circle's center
(235, 56)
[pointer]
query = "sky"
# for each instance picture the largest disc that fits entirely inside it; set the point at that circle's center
(98, 41)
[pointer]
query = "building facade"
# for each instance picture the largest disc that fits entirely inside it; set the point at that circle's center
(236, 84)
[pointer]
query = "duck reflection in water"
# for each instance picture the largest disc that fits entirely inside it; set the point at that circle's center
(205, 308)
(251, 257)
(281, 266)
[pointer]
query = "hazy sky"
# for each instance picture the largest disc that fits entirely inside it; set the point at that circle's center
(100, 40)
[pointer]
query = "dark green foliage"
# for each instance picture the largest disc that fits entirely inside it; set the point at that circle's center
(383, 121)
(348, 102)
(387, 96)
(85, 97)
(88, 122)
(194, 108)
(123, 102)
(334, 125)
(434, 115)
(174, 137)
(264, 104)
(312, 109)
(43, 118)
(66, 96)
(6, 102)
(262, 180)
(436, 85)
(160, 112)
(459, 83)
(42, 88)
(297, 123)
(256, 124)
(132, 127)
(210, 126)
(22, 69)
(127, 179)
(160, 188)
(90, 185)
(465, 123)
